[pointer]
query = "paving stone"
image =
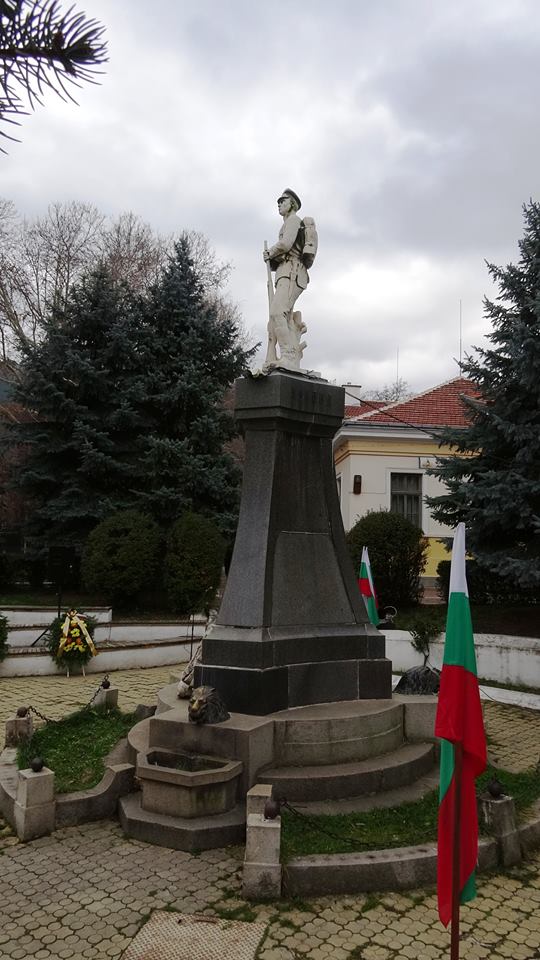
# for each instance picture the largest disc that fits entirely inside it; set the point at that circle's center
(85, 891)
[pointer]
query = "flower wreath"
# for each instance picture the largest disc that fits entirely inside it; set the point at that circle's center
(70, 639)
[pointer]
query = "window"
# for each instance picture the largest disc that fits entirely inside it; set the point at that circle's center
(406, 496)
(338, 485)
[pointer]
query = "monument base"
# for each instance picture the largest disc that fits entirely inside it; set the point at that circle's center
(293, 628)
(260, 692)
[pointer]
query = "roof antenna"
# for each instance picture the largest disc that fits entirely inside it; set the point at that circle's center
(460, 332)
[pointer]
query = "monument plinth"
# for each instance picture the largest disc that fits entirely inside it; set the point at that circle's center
(292, 629)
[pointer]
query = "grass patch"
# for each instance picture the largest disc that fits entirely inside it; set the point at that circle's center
(243, 912)
(26, 597)
(80, 600)
(518, 687)
(410, 824)
(76, 747)
(518, 621)
(370, 903)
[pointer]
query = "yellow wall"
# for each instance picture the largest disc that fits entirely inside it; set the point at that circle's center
(436, 553)
(389, 446)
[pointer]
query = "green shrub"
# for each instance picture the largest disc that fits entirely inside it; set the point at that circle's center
(121, 558)
(7, 571)
(486, 587)
(193, 563)
(3, 637)
(35, 570)
(397, 552)
(425, 627)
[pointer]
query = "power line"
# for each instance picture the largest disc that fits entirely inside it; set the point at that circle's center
(415, 426)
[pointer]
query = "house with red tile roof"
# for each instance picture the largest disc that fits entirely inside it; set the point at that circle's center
(382, 453)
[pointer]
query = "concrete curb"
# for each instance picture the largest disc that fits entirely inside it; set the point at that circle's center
(81, 806)
(400, 868)
(98, 802)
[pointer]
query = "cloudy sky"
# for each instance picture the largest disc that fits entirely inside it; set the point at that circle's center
(410, 129)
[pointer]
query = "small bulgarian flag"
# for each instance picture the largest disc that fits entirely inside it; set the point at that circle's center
(460, 725)
(367, 589)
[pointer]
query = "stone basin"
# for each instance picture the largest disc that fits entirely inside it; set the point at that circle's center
(187, 785)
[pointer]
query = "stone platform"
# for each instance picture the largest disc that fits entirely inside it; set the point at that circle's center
(327, 753)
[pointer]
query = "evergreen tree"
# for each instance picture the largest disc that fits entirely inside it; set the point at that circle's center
(43, 47)
(493, 480)
(127, 395)
(191, 352)
(81, 444)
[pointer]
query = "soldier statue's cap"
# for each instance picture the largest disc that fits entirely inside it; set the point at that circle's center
(293, 196)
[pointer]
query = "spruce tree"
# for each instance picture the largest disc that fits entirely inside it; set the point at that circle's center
(80, 443)
(493, 479)
(191, 352)
(127, 399)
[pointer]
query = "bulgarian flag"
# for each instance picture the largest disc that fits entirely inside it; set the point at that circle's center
(367, 589)
(460, 725)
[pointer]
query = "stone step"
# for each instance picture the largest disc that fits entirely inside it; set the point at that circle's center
(199, 833)
(353, 779)
(337, 732)
(409, 793)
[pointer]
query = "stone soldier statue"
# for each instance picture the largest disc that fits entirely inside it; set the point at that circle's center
(289, 258)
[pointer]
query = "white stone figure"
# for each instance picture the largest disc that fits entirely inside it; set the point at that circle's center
(294, 251)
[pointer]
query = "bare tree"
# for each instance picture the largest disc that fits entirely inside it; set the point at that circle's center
(39, 262)
(42, 47)
(212, 272)
(133, 252)
(391, 392)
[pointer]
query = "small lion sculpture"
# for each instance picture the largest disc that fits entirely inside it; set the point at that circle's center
(206, 706)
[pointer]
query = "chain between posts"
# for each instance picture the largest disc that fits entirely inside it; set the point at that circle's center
(312, 822)
(87, 706)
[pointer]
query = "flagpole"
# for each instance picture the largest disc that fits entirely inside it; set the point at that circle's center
(454, 929)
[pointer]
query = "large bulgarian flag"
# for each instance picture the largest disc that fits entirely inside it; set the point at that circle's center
(459, 721)
(367, 588)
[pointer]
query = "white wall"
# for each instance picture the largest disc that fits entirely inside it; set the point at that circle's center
(376, 471)
(512, 660)
(119, 633)
(33, 663)
(20, 616)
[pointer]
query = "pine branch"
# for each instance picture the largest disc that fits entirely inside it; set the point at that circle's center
(43, 48)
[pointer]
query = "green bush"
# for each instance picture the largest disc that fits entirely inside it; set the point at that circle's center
(486, 587)
(425, 627)
(397, 552)
(7, 571)
(3, 637)
(193, 563)
(121, 558)
(35, 570)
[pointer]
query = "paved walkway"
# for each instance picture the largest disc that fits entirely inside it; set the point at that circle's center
(86, 891)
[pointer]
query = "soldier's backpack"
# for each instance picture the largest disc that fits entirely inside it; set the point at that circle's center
(311, 242)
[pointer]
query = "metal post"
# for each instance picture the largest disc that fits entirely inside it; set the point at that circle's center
(454, 934)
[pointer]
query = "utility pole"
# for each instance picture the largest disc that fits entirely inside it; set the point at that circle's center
(460, 332)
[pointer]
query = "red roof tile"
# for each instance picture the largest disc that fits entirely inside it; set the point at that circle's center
(356, 409)
(439, 406)
(15, 413)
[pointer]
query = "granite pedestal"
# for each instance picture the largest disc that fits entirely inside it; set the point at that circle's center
(292, 628)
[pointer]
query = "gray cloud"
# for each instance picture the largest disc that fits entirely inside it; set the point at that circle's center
(410, 131)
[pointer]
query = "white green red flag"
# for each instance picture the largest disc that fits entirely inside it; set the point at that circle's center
(367, 589)
(459, 721)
